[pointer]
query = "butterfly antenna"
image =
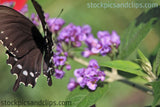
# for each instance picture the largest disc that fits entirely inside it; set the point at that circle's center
(58, 15)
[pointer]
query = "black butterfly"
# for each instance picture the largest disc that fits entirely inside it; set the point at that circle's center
(26, 46)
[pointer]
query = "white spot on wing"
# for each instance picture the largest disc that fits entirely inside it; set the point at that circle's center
(30, 85)
(6, 38)
(11, 44)
(48, 79)
(49, 69)
(46, 40)
(31, 74)
(36, 79)
(50, 60)
(15, 59)
(7, 56)
(46, 26)
(25, 73)
(15, 49)
(21, 83)
(6, 48)
(19, 66)
(1, 41)
(2, 32)
(10, 65)
(16, 75)
(13, 54)
(45, 75)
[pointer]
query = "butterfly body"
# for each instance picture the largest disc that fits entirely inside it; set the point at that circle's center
(25, 46)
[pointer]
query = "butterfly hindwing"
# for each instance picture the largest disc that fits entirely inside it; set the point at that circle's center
(26, 69)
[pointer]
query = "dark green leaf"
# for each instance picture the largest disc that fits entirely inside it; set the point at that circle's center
(156, 67)
(137, 31)
(126, 66)
(85, 98)
(156, 90)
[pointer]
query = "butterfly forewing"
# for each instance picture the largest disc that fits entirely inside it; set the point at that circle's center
(25, 46)
(48, 68)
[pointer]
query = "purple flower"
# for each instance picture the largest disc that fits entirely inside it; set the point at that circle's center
(59, 49)
(86, 29)
(86, 53)
(72, 84)
(35, 19)
(106, 49)
(79, 72)
(96, 48)
(101, 76)
(66, 54)
(102, 34)
(92, 84)
(90, 72)
(91, 42)
(81, 81)
(93, 64)
(68, 67)
(59, 60)
(59, 73)
(46, 15)
(105, 40)
(24, 9)
(115, 39)
(55, 24)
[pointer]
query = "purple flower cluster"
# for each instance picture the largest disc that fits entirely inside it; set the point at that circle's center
(87, 76)
(59, 60)
(102, 45)
(74, 35)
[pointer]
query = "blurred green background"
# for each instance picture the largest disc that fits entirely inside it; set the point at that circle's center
(77, 12)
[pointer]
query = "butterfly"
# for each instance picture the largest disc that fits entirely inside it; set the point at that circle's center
(25, 47)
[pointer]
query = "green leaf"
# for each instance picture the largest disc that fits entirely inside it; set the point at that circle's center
(156, 91)
(142, 57)
(137, 31)
(126, 66)
(156, 66)
(85, 98)
(144, 62)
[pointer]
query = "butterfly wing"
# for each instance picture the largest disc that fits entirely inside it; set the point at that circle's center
(24, 45)
(48, 68)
